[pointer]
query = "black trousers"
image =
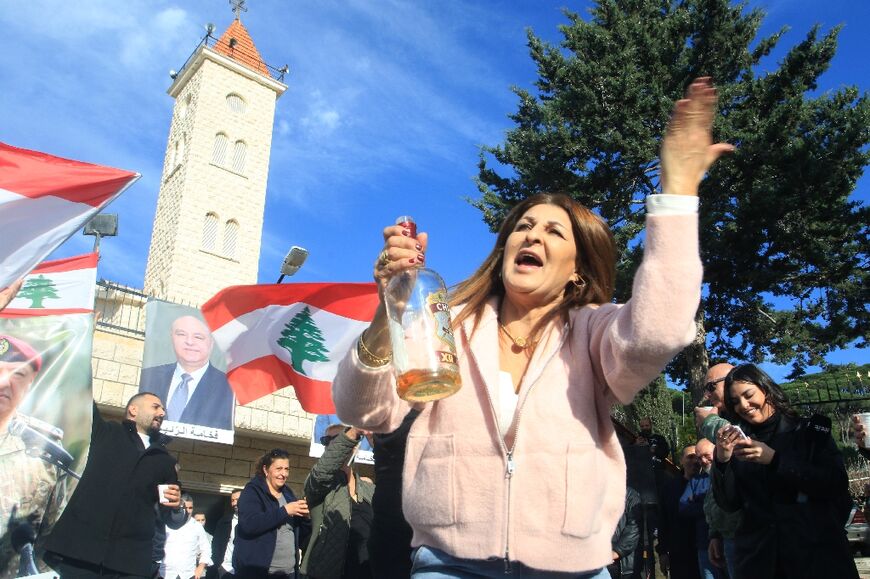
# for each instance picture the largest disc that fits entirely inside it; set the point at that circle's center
(69, 568)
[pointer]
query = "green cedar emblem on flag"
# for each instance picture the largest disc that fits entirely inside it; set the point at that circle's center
(304, 340)
(37, 289)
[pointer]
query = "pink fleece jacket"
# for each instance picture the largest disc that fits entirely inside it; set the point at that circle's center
(551, 494)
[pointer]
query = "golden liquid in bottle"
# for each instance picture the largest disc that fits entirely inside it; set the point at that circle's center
(427, 385)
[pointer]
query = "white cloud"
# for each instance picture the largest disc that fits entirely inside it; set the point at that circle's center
(322, 118)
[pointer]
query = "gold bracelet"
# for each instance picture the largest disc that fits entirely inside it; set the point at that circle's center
(367, 357)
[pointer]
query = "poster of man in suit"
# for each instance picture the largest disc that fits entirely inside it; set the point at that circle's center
(184, 369)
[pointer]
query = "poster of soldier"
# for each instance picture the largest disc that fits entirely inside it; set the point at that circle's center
(182, 366)
(45, 425)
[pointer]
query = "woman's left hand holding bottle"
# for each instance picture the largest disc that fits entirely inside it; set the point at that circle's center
(401, 252)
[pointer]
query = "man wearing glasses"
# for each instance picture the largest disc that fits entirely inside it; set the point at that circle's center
(722, 525)
(708, 417)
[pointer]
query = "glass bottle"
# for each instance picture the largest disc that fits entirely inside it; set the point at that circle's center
(424, 350)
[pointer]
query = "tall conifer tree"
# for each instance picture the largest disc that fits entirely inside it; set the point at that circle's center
(785, 249)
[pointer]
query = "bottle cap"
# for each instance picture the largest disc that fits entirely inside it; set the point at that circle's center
(408, 222)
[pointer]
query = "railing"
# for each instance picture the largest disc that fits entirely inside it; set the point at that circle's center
(210, 41)
(837, 390)
(120, 309)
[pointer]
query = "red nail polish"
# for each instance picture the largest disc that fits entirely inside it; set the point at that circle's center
(420, 257)
(419, 247)
(406, 233)
(412, 260)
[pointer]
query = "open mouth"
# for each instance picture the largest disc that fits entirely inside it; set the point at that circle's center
(528, 259)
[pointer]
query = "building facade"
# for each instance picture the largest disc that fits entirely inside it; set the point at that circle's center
(206, 236)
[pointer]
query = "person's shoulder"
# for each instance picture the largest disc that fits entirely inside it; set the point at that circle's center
(214, 374)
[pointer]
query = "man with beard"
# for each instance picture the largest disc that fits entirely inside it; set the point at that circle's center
(658, 444)
(108, 526)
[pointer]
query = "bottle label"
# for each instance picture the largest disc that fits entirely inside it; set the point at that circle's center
(437, 303)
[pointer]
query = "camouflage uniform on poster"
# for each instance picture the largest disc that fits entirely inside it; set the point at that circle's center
(32, 488)
(31, 492)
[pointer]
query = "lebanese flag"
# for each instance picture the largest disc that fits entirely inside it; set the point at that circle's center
(44, 200)
(60, 286)
(289, 335)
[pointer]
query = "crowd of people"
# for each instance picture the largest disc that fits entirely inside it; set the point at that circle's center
(520, 473)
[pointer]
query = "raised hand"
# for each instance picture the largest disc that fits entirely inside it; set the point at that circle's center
(688, 150)
(726, 440)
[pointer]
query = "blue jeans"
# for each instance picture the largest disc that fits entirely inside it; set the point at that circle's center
(730, 556)
(429, 563)
(708, 570)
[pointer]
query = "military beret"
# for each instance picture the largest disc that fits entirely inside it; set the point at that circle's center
(16, 350)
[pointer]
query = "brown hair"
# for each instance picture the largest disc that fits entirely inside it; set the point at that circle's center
(595, 262)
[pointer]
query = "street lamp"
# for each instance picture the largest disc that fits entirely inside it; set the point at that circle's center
(101, 225)
(294, 260)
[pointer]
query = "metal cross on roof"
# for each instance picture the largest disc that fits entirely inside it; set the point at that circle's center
(238, 8)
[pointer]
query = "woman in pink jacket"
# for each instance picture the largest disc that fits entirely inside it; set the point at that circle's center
(520, 472)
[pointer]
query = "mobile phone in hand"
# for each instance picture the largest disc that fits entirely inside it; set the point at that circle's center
(740, 432)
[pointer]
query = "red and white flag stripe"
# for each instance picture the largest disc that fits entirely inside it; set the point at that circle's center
(60, 286)
(44, 200)
(289, 335)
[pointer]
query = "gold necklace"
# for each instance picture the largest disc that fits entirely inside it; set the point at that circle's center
(521, 343)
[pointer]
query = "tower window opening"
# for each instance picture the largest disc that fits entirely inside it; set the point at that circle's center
(236, 103)
(239, 151)
(219, 153)
(209, 231)
(231, 235)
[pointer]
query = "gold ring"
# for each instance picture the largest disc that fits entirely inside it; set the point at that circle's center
(384, 259)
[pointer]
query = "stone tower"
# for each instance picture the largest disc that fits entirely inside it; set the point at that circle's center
(209, 218)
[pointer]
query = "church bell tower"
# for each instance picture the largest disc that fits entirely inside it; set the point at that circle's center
(209, 219)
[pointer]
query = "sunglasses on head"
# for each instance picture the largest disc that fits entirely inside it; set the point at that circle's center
(711, 385)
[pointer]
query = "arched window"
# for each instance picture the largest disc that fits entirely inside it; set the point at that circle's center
(184, 107)
(236, 103)
(239, 150)
(220, 149)
(231, 235)
(209, 231)
(179, 150)
(173, 156)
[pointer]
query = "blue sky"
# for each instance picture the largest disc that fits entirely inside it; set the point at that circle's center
(388, 102)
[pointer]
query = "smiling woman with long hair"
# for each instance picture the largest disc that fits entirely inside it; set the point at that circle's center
(788, 478)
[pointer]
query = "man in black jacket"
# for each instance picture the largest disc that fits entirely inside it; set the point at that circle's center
(108, 525)
(626, 537)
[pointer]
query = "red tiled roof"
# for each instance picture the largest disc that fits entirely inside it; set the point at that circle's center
(243, 49)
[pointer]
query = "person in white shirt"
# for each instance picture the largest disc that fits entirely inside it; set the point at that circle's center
(199, 517)
(188, 550)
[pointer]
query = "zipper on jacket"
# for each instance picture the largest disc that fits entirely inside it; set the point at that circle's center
(510, 466)
(509, 472)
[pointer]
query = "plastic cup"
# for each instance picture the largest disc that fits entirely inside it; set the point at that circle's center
(161, 494)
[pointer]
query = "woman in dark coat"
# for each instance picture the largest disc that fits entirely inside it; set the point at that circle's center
(271, 522)
(788, 477)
